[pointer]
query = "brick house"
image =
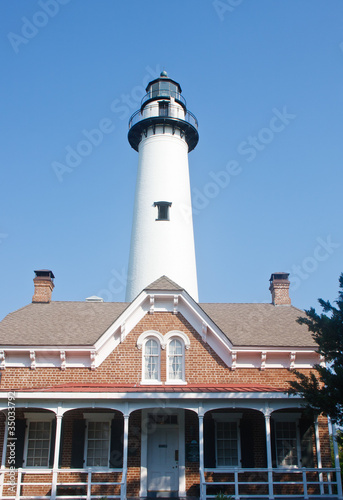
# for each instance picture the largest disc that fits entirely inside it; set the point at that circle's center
(160, 395)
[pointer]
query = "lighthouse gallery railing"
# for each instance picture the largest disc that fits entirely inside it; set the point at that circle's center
(172, 112)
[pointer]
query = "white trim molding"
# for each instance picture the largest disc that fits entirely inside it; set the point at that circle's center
(177, 333)
(151, 334)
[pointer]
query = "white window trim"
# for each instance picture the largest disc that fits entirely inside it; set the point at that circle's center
(141, 343)
(36, 417)
(181, 335)
(176, 336)
(228, 417)
(97, 417)
(151, 334)
(289, 417)
(163, 342)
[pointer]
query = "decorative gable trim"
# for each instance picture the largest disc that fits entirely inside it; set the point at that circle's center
(151, 333)
(177, 333)
(148, 303)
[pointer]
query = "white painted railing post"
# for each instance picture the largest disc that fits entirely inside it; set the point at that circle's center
(337, 466)
(89, 484)
(319, 455)
(269, 454)
(305, 483)
(56, 455)
(236, 484)
(201, 458)
(17, 496)
(125, 455)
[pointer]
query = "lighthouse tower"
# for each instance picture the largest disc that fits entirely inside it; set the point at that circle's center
(163, 131)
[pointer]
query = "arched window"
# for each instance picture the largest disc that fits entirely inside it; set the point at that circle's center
(176, 360)
(151, 360)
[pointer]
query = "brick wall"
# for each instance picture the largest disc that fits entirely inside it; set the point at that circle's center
(124, 364)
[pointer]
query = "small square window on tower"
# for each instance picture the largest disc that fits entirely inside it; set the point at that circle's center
(162, 209)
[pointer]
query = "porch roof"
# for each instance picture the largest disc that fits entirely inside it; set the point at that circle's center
(189, 388)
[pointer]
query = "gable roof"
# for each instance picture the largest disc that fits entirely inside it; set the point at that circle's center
(164, 283)
(84, 323)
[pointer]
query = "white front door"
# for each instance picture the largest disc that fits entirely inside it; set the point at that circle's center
(163, 456)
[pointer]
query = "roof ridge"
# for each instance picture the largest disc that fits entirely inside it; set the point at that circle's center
(158, 284)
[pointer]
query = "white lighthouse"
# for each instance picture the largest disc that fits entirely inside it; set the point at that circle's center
(163, 132)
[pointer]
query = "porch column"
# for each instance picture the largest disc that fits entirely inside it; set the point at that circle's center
(269, 454)
(338, 473)
(319, 455)
(125, 454)
(56, 454)
(201, 457)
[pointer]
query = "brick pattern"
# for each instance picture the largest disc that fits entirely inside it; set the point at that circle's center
(280, 292)
(43, 289)
(124, 365)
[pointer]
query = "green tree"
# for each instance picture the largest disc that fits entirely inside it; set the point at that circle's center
(323, 388)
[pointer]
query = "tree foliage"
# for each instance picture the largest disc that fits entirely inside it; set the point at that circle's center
(323, 388)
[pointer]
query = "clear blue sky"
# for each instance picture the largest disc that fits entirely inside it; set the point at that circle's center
(264, 79)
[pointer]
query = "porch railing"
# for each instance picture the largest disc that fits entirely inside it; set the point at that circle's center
(238, 482)
(272, 483)
(12, 482)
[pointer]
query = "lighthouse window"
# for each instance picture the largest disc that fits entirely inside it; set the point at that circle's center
(162, 209)
(154, 90)
(163, 108)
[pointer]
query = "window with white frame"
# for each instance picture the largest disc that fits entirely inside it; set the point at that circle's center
(97, 442)
(151, 342)
(38, 439)
(287, 440)
(227, 440)
(176, 362)
(38, 444)
(151, 360)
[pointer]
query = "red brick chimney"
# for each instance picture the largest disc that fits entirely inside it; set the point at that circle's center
(44, 285)
(279, 287)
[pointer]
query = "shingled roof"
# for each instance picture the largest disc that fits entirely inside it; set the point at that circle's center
(261, 325)
(164, 284)
(59, 323)
(83, 323)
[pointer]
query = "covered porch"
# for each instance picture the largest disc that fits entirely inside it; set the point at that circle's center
(173, 444)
